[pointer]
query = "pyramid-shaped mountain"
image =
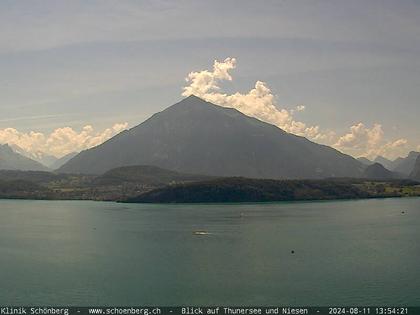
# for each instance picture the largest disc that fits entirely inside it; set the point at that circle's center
(195, 136)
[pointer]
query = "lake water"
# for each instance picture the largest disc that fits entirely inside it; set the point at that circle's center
(364, 252)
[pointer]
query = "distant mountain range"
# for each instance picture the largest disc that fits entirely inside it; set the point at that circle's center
(11, 160)
(41, 157)
(47, 160)
(415, 174)
(406, 165)
(388, 164)
(403, 165)
(378, 171)
(365, 161)
(59, 162)
(197, 137)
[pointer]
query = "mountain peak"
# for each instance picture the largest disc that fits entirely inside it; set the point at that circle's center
(193, 97)
(197, 108)
(192, 100)
(198, 137)
(377, 171)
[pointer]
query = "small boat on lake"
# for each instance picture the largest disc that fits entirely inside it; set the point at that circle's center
(201, 233)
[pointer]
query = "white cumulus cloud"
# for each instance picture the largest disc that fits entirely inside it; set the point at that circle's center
(59, 142)
(259, 102)
(369, 142)
(300, 108)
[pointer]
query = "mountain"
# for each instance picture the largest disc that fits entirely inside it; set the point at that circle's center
(415, 174)
(63, 160)
(406, 165)
(197, 137)
(388, 164)
(45, 159)
(10, 160)
(365, 161)
(378, 171)
(41, 157)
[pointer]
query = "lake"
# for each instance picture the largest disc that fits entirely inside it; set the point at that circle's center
(363, 252)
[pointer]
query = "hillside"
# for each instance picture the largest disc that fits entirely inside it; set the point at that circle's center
(406, 165)
(11, 160)
(365, 161)
(197, 137)
(262, 190)
(388, 164)
(21, 189)
(39, 177)
(249, 190)
(116, 184)
(146, 175)
(378, 171)
(45, 159)
(415, 174)
(63, 160)
(150, 184)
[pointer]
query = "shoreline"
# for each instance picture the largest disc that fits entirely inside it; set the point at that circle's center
(217, 203)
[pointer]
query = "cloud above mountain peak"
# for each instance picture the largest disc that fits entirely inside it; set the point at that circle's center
(260, 102)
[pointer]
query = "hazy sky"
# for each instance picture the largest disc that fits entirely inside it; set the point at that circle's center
(344, 73)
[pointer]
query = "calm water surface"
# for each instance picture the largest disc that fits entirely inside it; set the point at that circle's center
(364, 252)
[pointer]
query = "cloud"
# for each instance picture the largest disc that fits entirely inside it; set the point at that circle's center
(61, 141)
(370, 142)
(361, 137)
(300, 108)
(259, 102)
(394, 149)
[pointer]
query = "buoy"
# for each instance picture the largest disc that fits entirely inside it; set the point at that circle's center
(292, 251)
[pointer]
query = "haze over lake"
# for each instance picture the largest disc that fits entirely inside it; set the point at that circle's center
(363, 252)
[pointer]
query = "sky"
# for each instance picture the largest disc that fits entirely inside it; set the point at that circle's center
(342, 73)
